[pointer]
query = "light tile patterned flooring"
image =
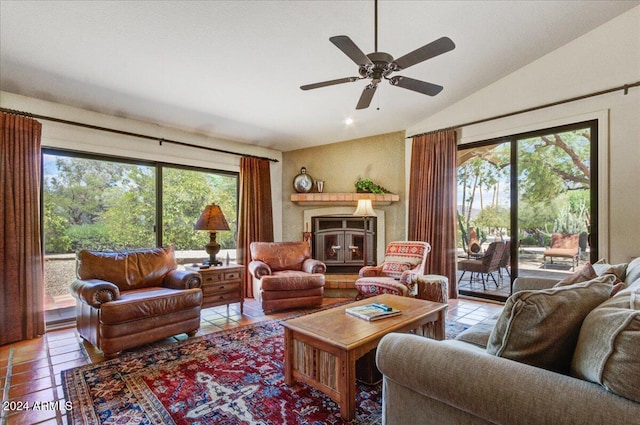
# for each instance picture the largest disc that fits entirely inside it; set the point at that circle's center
(30, 370)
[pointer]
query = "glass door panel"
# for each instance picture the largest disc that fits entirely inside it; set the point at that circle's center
(554, 202)
(484, 210)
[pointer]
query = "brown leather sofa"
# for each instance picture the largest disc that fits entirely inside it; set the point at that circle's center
(126, 299)
(285, 275)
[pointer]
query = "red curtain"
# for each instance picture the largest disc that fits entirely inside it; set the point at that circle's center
(432, 201)
(21, 262)
(255, 216)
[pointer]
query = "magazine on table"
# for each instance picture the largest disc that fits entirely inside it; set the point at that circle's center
(373, 311)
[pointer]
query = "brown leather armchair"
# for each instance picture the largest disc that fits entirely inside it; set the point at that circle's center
(285, 275)
(126, 299)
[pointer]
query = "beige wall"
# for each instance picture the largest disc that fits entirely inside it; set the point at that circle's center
(380, 158)
(601, 59)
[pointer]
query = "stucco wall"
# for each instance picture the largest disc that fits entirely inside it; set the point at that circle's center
(380, 158)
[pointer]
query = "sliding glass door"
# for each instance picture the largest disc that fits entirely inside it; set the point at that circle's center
(528, 191)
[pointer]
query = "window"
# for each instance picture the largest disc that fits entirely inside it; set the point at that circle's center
(104, 203)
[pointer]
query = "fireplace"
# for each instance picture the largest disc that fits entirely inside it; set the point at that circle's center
(339, 242)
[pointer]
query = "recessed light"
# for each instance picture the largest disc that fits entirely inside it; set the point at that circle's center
(348, 121)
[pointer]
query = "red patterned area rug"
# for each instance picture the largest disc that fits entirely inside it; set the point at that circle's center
(228, 378)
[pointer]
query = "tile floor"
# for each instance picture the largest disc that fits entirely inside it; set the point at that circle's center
(30, 370)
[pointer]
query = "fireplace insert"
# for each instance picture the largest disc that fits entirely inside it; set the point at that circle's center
(338, 241)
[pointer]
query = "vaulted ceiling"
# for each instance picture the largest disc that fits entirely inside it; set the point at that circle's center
(233, 69)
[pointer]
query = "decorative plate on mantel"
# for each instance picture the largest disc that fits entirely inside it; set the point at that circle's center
(303, 183)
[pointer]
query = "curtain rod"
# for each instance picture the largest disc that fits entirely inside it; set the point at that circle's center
(624, 87)
(129, 133)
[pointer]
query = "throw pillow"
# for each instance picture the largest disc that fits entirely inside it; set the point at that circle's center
(603, 267)
(541, 328)
(395, 268)
(583, 274)
(607, 348)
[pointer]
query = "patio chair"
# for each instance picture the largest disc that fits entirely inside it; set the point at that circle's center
(563, 245)
(485, 265)
(505, 260)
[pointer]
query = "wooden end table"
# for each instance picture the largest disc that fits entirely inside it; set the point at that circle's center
(321, 349)
(221, 285)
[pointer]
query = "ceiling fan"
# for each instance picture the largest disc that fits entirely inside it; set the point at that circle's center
(377, 66)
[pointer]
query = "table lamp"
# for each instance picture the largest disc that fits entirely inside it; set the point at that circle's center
(212, 220)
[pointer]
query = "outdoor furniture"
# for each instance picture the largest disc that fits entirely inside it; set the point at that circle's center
(130, 298)
(563, 245)
(505, 261)
(285, 276)
(403, 263)
(474, 247)
(484, 265)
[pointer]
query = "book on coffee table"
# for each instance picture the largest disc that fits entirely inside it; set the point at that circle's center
(371, 312)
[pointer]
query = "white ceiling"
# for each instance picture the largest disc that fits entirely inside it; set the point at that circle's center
(232, 69)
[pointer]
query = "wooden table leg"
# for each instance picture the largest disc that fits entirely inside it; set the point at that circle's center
(347, 386)
(288, 356)
(439, 325)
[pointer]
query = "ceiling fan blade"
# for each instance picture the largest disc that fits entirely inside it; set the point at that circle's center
(366, 96)
(329, 83)
(423, 87)
(350, 49)
(428, 51)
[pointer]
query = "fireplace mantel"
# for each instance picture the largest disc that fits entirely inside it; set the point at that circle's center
(342, 198)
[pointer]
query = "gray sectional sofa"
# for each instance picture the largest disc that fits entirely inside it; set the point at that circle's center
(555, 355)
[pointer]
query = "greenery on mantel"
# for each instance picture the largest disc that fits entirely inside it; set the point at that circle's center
(367, 186)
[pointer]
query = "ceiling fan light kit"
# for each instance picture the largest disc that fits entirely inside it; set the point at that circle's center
(377, 66)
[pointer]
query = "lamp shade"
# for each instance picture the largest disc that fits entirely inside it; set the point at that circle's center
(212, 219)
(364, 208)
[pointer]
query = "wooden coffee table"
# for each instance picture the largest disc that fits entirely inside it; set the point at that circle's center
(321, 349)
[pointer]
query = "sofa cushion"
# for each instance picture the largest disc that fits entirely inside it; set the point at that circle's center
(479, 333)
(291, 280)
(608, 347)
(411, 252)
(633, 272)
(281, 255)
(127, 269)
(541, 328)
(143, 304)
(369, 286)
(583, 274)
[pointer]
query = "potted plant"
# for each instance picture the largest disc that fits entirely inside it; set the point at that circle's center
(367, 186)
